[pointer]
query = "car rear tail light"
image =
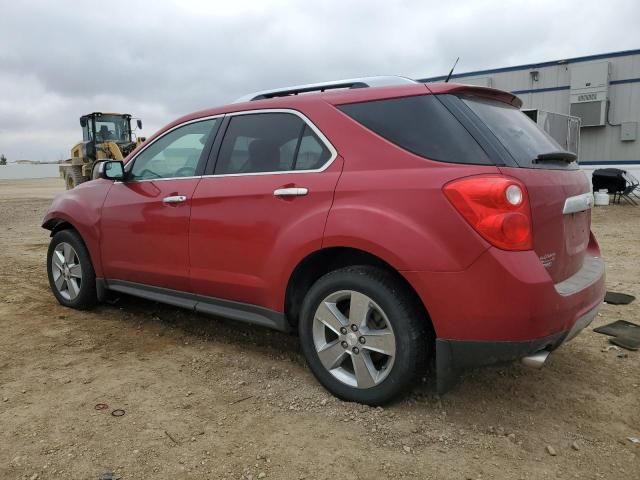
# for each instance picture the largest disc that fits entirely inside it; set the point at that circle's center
(496, 207)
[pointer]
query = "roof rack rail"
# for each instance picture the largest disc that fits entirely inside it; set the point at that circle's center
(365, 82)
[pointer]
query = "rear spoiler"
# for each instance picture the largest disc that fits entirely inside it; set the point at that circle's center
(486, 92)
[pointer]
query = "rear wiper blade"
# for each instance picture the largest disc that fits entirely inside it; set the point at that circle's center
(561, 155)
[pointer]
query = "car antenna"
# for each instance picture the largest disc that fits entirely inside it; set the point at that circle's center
(452, 68)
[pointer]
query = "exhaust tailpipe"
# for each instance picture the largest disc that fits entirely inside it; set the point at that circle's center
(536, 360)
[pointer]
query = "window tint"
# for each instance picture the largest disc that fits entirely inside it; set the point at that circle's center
(269, 142)
(312, 153)
(421, 125)
(176, 154)
(518, 133)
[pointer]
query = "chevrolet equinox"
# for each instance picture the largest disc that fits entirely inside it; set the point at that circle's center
(392, 224)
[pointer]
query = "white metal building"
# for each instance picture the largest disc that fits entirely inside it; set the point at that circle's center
(603, 90)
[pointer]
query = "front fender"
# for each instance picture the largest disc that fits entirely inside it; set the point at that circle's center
(80, 207)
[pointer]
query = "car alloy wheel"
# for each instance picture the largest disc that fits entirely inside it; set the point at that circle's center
(354, 339)
(66, 271)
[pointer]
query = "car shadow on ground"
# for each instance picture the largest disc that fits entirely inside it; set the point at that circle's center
(207, 328)
(488, 391)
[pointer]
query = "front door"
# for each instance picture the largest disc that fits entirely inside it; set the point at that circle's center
(145, 219)
(264, 207)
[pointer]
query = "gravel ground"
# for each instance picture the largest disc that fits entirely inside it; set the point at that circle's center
(208, 398)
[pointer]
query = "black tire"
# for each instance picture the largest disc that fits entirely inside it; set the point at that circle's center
(75, 177)
(413, 341)
(86, 296)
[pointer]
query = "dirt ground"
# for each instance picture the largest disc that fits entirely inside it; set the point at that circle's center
(209, 398)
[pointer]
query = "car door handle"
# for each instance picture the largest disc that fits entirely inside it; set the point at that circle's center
(174, 199)
(290, 192)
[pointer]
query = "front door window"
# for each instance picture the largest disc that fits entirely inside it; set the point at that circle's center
(176, 154)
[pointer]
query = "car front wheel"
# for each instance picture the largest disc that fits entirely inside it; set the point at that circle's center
(71, 275)
(363, 335)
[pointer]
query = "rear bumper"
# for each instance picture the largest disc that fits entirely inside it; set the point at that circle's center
(505, 307)
(508, 296)
(454, 356)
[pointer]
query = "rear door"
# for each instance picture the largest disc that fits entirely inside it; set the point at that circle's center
(559, 191)
(262, 206)
(145, 219)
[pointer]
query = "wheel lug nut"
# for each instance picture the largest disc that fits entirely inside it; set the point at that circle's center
(345, 345)
(362, 340)
(356, 350)
(343, 330)
(354, 327)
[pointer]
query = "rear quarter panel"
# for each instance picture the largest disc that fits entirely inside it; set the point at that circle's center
(403, 217)
(389, 202)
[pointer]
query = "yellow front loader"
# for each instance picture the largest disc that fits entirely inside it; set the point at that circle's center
(104, 136)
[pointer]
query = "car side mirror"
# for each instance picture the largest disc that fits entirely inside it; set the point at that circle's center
(109, 170)
(139, 123)
(83, 122)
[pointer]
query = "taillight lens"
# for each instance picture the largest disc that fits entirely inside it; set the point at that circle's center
(496, 207)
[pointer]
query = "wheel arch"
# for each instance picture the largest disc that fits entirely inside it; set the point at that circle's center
(57, 224)
(54, 225)
(323, 261)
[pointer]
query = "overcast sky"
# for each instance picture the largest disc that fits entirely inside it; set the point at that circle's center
(158, 60)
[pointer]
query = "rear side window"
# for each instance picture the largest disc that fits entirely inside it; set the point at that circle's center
(309, 153)
(270, 142)
(421, 125)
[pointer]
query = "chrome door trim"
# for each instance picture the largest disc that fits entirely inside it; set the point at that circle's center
(174, 199)
(307, 121)
(578, 203)
(290, 192)
(302, 116)
(157, 179)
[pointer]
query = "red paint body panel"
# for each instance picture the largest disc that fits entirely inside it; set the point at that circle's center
(503, 296)
(401, 216)
(143, 239)
(81, 207)
(245, 242)
(562, 238)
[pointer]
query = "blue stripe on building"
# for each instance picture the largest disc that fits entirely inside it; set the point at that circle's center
(541, 90)
(601, 56)
(610, 162)
(566, 87)
(628, 80)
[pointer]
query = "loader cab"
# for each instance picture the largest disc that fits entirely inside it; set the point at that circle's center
(107, 127)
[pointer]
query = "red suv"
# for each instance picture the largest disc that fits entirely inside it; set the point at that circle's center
(388, 225)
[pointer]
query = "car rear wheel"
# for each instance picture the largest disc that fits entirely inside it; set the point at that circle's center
(71, 275)
(363, 335)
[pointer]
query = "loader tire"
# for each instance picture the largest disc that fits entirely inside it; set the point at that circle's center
(74, 177)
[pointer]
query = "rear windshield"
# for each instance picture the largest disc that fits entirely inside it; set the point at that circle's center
(421, 125)
(520, 135)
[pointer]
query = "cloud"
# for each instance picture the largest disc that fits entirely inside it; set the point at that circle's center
(158, 60)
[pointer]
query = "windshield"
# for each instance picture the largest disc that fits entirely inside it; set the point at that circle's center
(112, 128)
(520, 135)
